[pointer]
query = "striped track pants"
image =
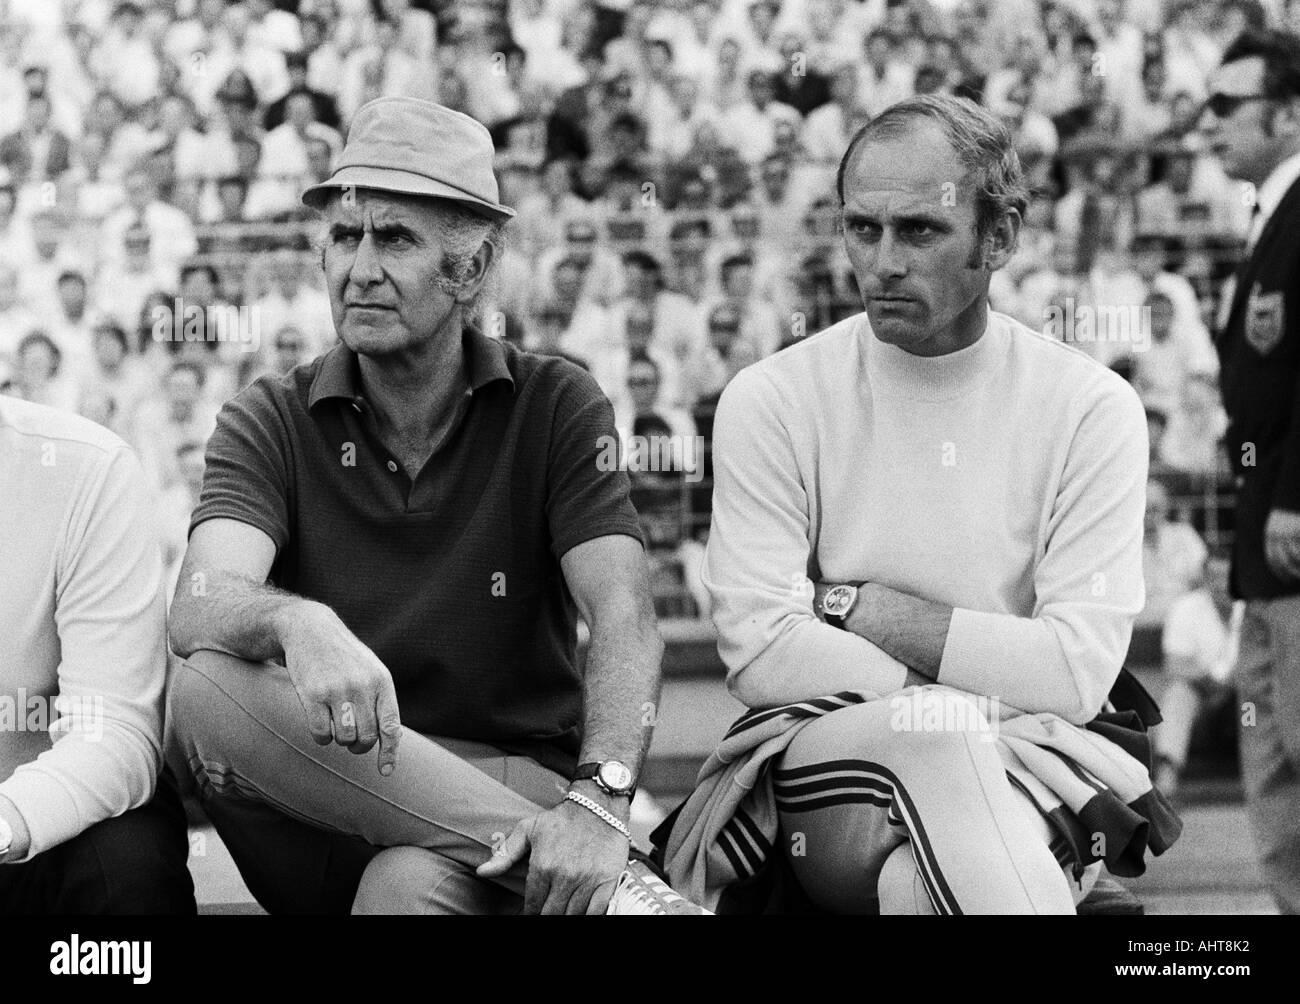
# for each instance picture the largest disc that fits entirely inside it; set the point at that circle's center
(911, 822)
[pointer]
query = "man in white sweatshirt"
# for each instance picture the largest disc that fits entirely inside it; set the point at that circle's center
(927, 492)
(90, 822)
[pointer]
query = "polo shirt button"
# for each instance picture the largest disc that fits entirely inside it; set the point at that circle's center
(392, 466)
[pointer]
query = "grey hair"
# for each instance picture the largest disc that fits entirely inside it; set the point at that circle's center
(981, 141)
(464, 232)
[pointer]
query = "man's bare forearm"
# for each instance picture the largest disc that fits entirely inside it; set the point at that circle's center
(621, 688)
(231, 613)
(912, 630)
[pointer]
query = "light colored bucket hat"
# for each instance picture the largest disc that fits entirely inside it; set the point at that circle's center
(416, 147)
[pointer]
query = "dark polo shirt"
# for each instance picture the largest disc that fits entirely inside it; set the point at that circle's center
(454, 579)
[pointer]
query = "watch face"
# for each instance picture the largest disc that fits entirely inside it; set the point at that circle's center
(837, 601)
(615, 775)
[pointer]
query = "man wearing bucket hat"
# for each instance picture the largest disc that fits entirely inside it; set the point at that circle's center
(391, 548)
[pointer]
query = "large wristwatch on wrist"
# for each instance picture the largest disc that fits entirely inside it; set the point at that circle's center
(837, 603)
(612, 776)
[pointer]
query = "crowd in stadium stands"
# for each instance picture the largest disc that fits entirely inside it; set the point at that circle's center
(673, 164)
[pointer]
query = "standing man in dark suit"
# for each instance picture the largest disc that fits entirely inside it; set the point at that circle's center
(37, 151)
(1252, 120)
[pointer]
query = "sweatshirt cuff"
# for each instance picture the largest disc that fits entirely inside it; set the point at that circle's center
(50, 812)
(975, 651)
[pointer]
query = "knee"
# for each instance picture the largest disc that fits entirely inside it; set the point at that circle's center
(210, 695)
(191, 693)
(407, 880)
(133, 864)
(899, 887)
(938, 725)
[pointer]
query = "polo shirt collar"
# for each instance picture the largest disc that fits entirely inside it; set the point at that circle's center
(340, 377)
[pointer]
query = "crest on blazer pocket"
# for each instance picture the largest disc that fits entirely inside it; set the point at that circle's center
(1265, 320)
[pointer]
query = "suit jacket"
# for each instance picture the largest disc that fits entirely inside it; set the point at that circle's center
(16, 155)
(1259, 355)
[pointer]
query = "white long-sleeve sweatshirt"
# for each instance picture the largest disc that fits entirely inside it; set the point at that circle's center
(82, 637)
(1006, 480)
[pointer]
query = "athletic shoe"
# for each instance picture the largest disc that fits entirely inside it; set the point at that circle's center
(641, 892)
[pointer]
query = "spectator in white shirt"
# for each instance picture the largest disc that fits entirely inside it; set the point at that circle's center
(87, 827)
(1150, 257)
(93, 196)
(170, 230)
(886, 79)
(382, 69)
(174, 506)
(602, 273)
(543, 214)
(324, 60)
(1173, 556)
(197, 156)
(70, 323)
(1199, 641)
(748, 127)
(672, 127)
(1193, 199)
(38, 374)
(182, 415)
(293, 301)
(1119, 46)
(125, 58)
(283, 161)
(585, 323)
(125, 140)
(273, 29)
(781, 205)
(1192, 445)
(722, 79)
(127, 280)
(115, 383)
(194, 34)
(16, 316)
(1160, 371)
(828, 128)
(239, 49)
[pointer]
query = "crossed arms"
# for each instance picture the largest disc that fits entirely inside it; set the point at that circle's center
(1062, 656)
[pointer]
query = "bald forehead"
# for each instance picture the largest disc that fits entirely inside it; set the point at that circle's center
(911, 170)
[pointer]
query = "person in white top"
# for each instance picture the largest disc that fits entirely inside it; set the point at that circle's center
(1200, 640)
(86, 823)
(926, 493)
(886, 78)
(749, 126)
(125, 59)
(829, 127)
(171, 233)
(1172, 556)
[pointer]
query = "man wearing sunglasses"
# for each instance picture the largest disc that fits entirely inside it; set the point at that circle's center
(1252, 121)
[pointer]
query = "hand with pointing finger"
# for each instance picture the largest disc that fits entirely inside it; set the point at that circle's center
(347, 694)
